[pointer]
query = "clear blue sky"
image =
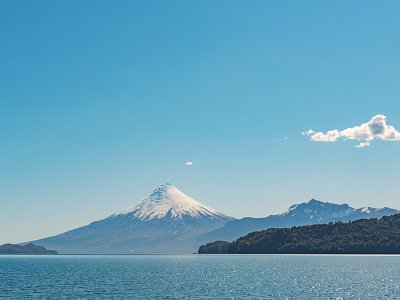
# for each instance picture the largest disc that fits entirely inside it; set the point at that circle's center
(102, 101)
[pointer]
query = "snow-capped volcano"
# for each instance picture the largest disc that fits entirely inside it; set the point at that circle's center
(166, 221)
(168, 200)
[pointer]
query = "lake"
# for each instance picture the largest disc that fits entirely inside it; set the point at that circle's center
(200, 277)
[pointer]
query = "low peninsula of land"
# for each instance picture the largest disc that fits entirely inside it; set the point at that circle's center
(373, 236)
(24, 249)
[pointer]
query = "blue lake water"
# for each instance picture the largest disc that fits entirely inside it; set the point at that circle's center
(200, 277)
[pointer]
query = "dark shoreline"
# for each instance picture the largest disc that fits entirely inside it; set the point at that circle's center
(30, 249)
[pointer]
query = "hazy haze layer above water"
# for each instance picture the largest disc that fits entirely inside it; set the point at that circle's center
(200, 277)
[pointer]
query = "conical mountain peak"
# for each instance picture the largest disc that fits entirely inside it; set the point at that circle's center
(314, 201)
(316, 207)
(166, 221)
(169, 201)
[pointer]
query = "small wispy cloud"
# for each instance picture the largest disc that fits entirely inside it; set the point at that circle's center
(284, 139)
(189, 163)
(376, 128)
(362, 145)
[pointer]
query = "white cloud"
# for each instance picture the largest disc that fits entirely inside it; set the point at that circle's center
(189, 163)
(376, 128)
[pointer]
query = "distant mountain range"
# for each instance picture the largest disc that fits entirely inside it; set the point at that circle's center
(169, 221)
(312, 212)
(373, 236)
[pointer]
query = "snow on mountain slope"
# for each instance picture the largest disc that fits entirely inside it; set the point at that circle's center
(168, 199)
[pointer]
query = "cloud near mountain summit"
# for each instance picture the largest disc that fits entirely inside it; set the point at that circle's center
(376, 128)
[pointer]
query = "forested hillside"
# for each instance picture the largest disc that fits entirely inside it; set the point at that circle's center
(374, 236)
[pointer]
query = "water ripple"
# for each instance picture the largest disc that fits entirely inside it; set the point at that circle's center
(200, 277)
